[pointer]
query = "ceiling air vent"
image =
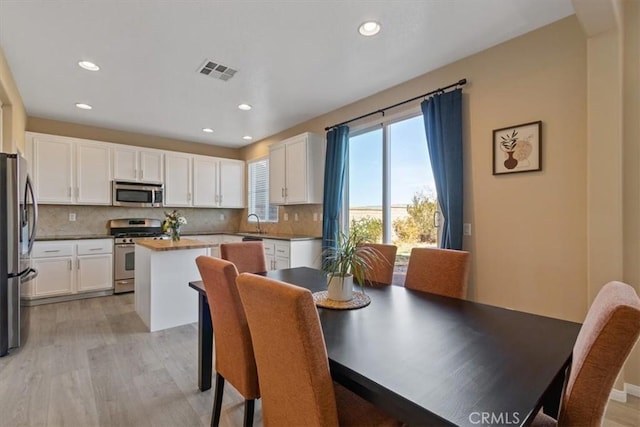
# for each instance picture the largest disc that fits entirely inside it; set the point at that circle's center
(216, 70)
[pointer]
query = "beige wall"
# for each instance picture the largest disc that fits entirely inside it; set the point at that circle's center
(54, 127)
(14, 117)
(529, 230)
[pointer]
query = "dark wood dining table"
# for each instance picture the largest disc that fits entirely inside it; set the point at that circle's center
(433, 360)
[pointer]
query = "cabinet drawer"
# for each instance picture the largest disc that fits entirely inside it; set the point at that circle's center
(282, 250)
(97, 246)
(51, 249)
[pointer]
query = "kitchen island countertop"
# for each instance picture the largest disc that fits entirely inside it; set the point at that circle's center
(170, 245)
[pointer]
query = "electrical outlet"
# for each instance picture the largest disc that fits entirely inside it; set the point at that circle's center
(466, 229)
(286, 216)
(221, 217)
(315, 216)
(295, 216)
(72, 216)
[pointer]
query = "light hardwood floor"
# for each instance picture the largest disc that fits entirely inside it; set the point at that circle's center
(91, 363)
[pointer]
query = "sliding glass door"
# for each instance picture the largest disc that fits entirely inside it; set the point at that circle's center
(391, 193)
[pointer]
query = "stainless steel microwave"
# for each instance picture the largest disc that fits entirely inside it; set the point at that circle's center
(138, 194)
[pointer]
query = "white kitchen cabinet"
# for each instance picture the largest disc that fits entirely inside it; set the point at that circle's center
(215, 182)
(177, 179)
(68, 267)
(70, 170)
(94, 265)
(231, 184)
(137, 164)
(296, 170)
(289, 254)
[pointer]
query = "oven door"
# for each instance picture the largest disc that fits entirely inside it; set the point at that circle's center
(124, 264)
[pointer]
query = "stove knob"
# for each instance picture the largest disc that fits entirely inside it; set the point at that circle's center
(130, 240)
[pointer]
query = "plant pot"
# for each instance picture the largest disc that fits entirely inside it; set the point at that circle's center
(340, 288)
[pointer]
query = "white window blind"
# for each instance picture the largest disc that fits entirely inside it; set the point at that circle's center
(259, 192)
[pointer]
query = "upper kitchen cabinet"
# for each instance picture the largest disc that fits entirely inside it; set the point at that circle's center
(296, 170)
(214, 183)
(137, 164)
(70, 171)
(177, 180)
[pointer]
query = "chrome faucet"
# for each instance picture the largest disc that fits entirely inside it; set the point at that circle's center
(257, 218)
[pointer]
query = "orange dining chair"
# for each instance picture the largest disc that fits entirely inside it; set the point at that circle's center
(382, 259)
(248, 257)
(291, 356)
(438, 271)
(606, 338)
(234, 362)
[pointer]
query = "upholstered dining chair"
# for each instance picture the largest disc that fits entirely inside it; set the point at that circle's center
(382, 268)
(291, 356)
(248, 257)
(609, 332)
(234, 360)
(439, 271)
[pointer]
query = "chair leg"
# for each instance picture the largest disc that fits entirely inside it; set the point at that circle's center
(248, 412)
(217, 400)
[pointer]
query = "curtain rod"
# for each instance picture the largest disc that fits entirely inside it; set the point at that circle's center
(461, 82)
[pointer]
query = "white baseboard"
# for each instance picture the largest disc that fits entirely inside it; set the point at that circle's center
(632, 389)
(618, 395)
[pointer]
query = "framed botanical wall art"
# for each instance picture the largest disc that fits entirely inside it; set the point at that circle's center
(517, 148)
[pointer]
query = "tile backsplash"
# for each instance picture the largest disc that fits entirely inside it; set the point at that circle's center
(53, 220)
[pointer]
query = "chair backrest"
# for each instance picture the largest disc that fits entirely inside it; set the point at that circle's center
(606, 338)
(234, 350)
(290, 351)
(439, 271)
(249, 257)
(383, 263)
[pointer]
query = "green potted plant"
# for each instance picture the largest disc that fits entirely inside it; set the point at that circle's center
(346, 261)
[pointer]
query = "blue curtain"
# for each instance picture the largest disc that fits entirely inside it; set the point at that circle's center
(334, 171)
(443, 125)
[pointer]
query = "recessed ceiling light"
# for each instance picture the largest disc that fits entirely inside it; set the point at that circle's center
(88, 65)
(83, 106)
(247, 138)
(207, 130)
(369, 28)
(245, 107)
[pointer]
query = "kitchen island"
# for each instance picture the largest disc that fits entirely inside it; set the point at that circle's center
(163, 269)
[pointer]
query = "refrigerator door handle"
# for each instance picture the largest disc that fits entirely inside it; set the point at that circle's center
(32, 235)
(28, 275)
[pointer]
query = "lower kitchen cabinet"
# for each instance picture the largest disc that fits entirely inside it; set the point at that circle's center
(68, 267)
(209, 238)
(292, 253)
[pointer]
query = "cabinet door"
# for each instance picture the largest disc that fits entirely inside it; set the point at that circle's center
(231, 194)
(125, 163)
(177, 183)
(296, 171)
(150, 166)
(53, 170)
(54, 276)
(281, 263)
(277, 174)
(94, 272)
(205, 181)
(93, 174)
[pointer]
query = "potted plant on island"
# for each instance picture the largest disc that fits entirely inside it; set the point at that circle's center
(346, 261)
(172, 223)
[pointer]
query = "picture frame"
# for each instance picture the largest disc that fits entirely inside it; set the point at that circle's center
(517, 148)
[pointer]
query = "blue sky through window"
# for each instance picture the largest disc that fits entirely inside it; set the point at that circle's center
(410, 165)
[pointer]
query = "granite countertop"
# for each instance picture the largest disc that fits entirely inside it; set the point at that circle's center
(170, 245)
(72, 237)
(289, 237)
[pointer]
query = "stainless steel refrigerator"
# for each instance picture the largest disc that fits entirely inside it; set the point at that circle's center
(18, 218)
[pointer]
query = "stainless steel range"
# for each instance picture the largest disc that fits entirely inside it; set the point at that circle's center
(126, 232)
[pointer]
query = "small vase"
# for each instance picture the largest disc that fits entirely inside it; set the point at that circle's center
(175, 234)
(510, 163)
(340, 288)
